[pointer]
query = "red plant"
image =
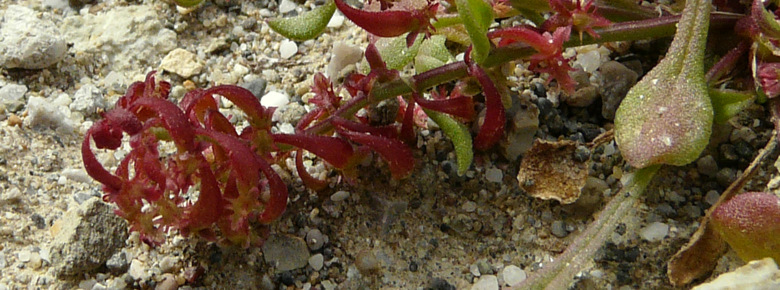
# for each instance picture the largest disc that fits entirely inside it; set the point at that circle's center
(392, 23)
(575, 14)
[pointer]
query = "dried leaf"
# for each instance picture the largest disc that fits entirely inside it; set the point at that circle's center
(550, 171)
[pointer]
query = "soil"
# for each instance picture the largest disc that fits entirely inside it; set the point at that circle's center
(432, 230)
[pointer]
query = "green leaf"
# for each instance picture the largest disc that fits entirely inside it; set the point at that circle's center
(306, 25)
(666, 118)
(460, 136)
(395, 53)
(477, 15)
(728, 103)
(188, 3)
(432, 54)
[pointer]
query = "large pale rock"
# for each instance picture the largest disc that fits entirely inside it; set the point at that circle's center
(29, 42)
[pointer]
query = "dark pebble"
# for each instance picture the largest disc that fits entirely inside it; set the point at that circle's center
(413, 267)
(546, 109)
(257, 87)
(39, 221)
(581, 154)
(666, 210)
(539, 90)
(118, 263)
(286, 278)
(726, 176)
(620, 229)
(728, 152)
(590, 131)
(744, 150)
(440, 284)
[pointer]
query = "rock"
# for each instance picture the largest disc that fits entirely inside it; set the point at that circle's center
(339, 196)
(711, 197)
(55, 4)
(707, 166)
(616, 80)
(315, 239)
(287, 48)
(343, 55)
(137, 270)
(182, 63)
(133, 32)
(274, 99)
(759, 274)
(494, 175)
(286, 6)
(285, 253)
(168, 264)
(558, 229)
(469, 206)
(654, 232)
(88, 237)
(49, 112)
(582, 97)
(316, 261)
(118, 263)
(10, 196)
(168, 283)
(521, 128)
(12, 97)
(256, 86)
(486, 282)
(367, 263)
(29, 42)
(513, 275)
(88, 99)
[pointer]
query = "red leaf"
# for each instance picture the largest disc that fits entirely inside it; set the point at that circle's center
(277, 203)
(398, 156)
(95, 169)
(492, 128)
(335, 151)
(460, 106)
(259, 116)
(308, 180)
(391, 23)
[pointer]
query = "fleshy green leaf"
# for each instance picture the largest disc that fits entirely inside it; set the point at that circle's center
(395, 53)
(727, 103)
(666, 118)
(306, 25)
(460, 136)
(477, 15)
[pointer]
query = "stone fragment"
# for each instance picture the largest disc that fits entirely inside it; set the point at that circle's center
(182, 63)
(654, 232)
(616, 80)
(29, 42)
(49, 112)
(88, 99)
(89, 236)
(285, 253)
(12, 97)
(486, 282)
(759, 274)
(513, 275)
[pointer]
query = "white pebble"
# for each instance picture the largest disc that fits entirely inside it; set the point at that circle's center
(336, 21)
(654, 232)
(494, 175)
(287, 48)
(286, 6)
(339, 196)
(513, 275)
(24, 256)
(316, 261)
(486, 282)
(274, 99)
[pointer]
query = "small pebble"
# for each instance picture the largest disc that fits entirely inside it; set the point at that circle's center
(558, 229)
(314, 239)
(707, 166)
(367, 263)
(168, 264)
(287, 48)
(274, 99)
(168, 283)
(712, 197)
(24, 256)
(486, 282)
(339, 196)
(469, 206)
(513, 275)
(316, 261)
(654, 232)
(494, 175)
(474, 270)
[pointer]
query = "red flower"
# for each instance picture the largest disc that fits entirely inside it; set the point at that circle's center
(582, 17)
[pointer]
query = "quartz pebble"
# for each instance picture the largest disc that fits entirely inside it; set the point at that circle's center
(654, 232)
(316, 261)
(513, 275)
(339, 196)
(711, 197)
(494, 175)
(287, 48)
(486, 282)
(274, 99)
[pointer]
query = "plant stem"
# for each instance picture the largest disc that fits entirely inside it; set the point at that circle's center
(623, 31)
(559, 273)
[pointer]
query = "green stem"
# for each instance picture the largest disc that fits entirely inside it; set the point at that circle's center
(560, 273)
